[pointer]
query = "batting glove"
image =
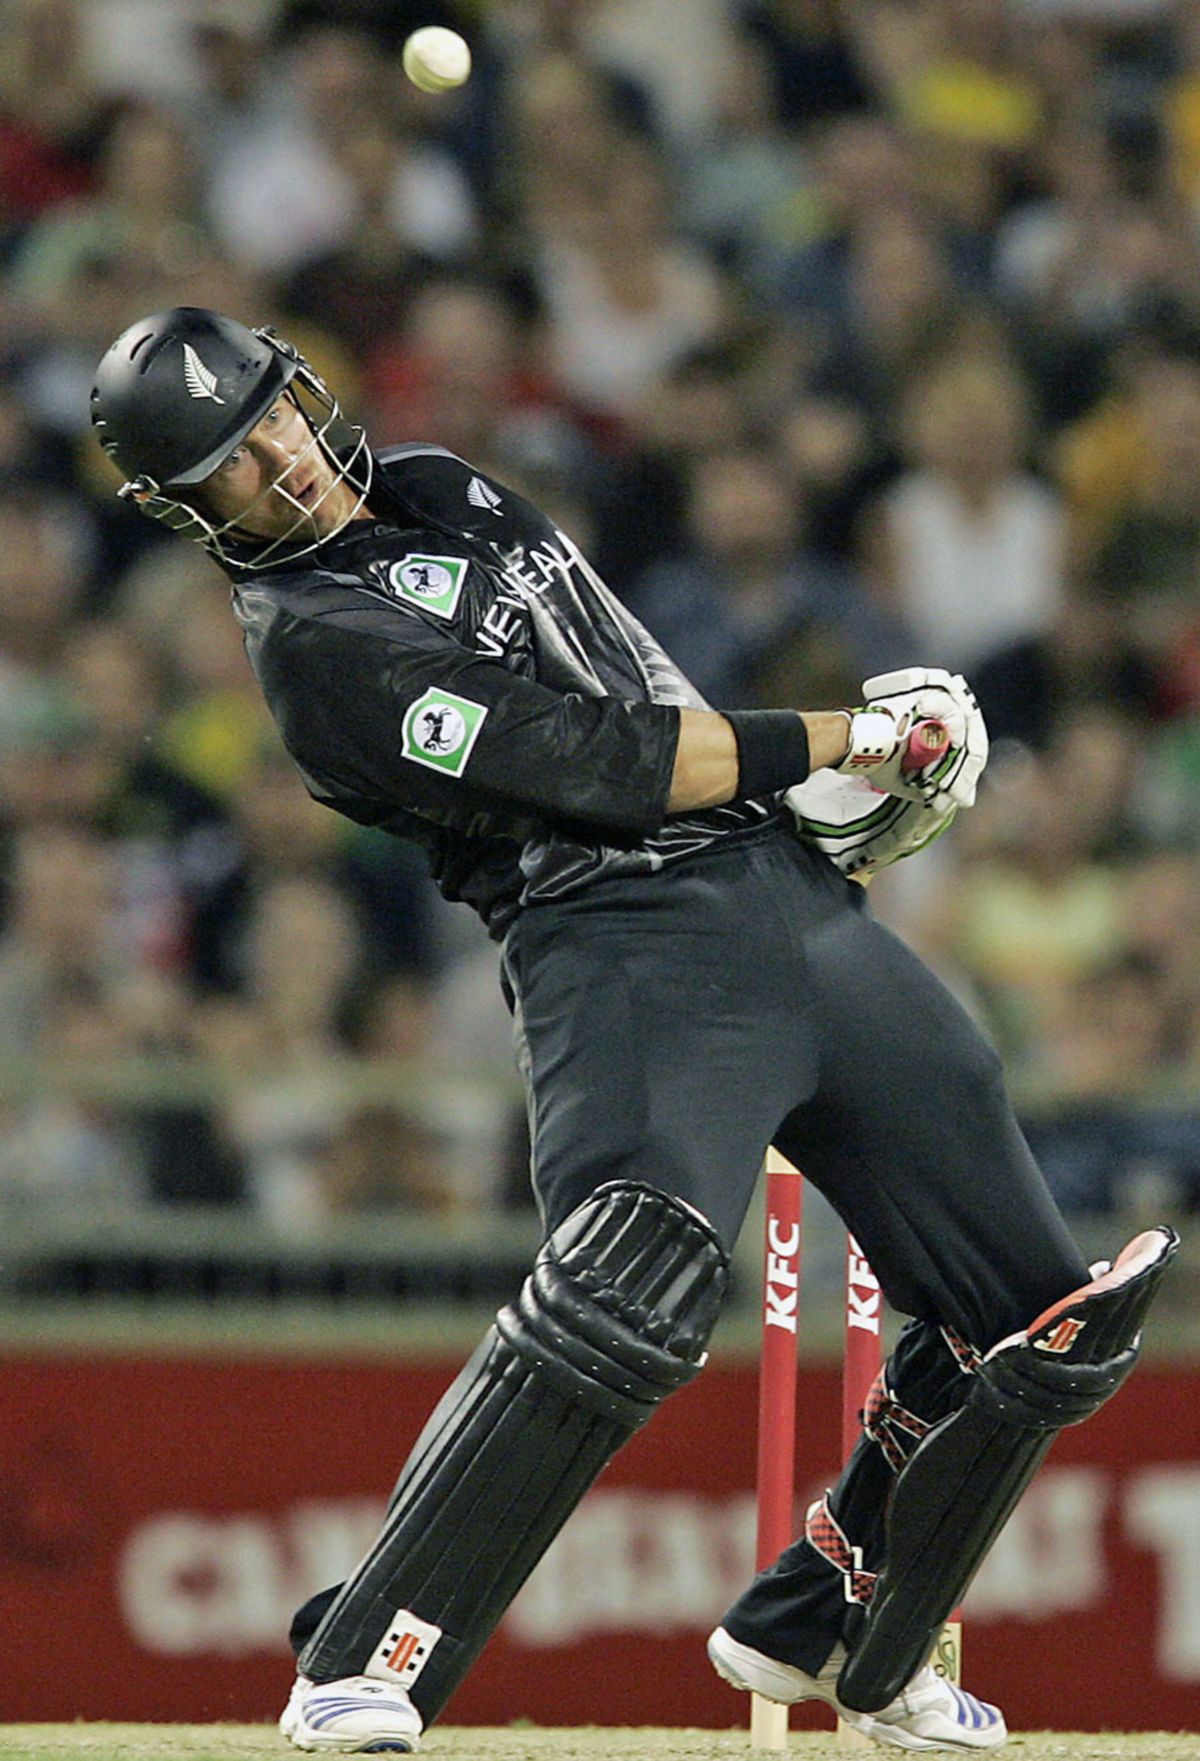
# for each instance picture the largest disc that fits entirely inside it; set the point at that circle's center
(860, 828)
(895, 704)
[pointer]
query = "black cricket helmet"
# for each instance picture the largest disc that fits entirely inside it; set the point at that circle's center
(178, 391)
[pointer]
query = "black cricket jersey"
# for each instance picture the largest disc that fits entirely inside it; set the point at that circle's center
(454, 671)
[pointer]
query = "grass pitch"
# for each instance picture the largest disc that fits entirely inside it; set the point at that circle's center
(226, 1742)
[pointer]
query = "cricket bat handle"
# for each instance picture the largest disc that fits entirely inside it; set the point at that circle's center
(928, 740)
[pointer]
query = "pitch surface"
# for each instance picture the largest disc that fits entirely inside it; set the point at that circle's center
(226, 1742)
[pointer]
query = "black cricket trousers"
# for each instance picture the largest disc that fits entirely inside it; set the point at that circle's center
(670, 1026)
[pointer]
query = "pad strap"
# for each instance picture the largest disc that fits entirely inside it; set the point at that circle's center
(823, 1531)
(896, 1430)
(966, 1356)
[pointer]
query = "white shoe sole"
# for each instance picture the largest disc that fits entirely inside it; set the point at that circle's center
(379, 1743)
(383, 1740)
(897, 1738)
(756, 1673)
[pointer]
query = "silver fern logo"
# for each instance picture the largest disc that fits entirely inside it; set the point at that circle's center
(199, 379)
(481, 495)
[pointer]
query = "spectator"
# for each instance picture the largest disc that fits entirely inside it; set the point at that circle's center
(147, 206)
(121, 689)
(623, 299)
(543, 34)
(234, 80)
(214, 734)
(899, 307)
(170, 831)
(838, 464)
(278, 833)
(77, 997)
(44, 567)
(641, 40)
(565, 127)
(138, 240)
(395, 1151)
(49, 113)
(278, 193)
(966, 547)
(1046, 904)
(811, 51)
(865, 174)
(458, 374)
(1116, 1140)
(61, 929)
(63, 1145)
(1180, 108)
(1084, 659)
(1046, 237)
(281, 1044)
(1169, 803)
(968, 80)
(1154, 526)
(746, 187)
(745, 610)
(359, 289)
(703, 403)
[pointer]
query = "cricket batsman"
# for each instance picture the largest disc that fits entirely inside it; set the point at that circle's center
(692, 976)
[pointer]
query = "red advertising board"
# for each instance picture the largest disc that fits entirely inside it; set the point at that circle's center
(161, 1517)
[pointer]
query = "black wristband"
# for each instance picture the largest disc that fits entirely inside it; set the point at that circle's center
(772, 750)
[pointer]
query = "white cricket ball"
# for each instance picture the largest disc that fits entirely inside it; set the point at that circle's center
(436, 59)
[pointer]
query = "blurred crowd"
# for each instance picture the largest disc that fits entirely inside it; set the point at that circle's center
(840, 333)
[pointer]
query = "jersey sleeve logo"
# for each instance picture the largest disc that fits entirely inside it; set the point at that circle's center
(482, 495)
(440, 729)
(433, 582)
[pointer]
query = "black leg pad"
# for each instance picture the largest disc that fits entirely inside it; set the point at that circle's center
(962, 1482)
(614, 1317)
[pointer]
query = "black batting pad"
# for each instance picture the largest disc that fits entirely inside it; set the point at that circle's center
(962, 1482)
(614, 1317)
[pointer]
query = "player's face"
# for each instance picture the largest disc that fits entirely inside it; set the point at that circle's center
(277, 482)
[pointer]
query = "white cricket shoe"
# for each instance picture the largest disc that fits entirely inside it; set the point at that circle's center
(354, 1716)
(756, 1673)
(931, 1713)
